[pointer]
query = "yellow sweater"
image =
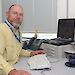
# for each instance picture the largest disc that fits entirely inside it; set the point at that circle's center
(10, 48)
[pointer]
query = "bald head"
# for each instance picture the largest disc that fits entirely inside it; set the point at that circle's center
(15, 15)
(14, 5)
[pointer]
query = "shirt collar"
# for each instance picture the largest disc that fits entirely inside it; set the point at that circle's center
(14, 29)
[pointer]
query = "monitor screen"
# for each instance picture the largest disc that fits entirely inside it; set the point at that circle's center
(66, 28)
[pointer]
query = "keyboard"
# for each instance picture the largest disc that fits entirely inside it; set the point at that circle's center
(59, 41)
(62, 39)
(39, 62)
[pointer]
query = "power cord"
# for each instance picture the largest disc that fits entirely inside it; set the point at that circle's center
(42, 72)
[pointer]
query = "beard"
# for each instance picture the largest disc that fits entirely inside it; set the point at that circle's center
(16, 25)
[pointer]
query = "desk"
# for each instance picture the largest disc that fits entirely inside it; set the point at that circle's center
(58, 67)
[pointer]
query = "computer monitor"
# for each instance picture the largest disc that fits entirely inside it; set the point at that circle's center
(66, 28)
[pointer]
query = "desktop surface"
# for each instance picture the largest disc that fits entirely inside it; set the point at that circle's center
(58, 67)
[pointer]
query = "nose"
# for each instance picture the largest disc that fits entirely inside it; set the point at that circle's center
(18, 15)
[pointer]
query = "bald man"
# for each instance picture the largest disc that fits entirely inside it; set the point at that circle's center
(11, 42)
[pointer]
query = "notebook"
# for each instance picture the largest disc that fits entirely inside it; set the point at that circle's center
(39, 62)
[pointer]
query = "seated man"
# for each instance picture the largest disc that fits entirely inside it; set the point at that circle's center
(11, 42)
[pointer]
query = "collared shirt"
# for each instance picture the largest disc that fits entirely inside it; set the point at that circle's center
(10, 47)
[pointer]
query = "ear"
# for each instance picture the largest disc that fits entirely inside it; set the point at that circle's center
(7, 14)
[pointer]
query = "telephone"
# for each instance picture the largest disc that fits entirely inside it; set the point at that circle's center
(34, 44)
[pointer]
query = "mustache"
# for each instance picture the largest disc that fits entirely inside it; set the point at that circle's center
(17, 19)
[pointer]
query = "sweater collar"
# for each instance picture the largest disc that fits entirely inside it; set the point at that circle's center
(14, 32)
(12, 26)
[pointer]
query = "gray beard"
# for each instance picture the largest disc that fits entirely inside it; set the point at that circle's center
(13, 25)
(17, 28)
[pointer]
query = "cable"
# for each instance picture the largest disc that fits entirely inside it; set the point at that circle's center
(42, 72)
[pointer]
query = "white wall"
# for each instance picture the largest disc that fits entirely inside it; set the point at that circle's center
(0, 11)
(71, 9)
(40, 14)
(61, 9)
(63, 12)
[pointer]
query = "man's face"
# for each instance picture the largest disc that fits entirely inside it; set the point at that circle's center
(15, 16)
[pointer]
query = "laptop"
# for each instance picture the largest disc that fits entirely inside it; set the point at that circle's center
(65, 33)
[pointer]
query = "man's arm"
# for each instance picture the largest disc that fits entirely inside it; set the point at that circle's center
(9, 70)
(36, 52)
(18, 72)
(25, 52)
(28, 53)
(5, 66)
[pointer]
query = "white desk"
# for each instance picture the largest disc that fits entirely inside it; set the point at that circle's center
(58, 67)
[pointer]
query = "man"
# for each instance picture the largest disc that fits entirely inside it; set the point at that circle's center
(11, 42)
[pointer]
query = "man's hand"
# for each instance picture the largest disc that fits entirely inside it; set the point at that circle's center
(37, 52)
(18, 72)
